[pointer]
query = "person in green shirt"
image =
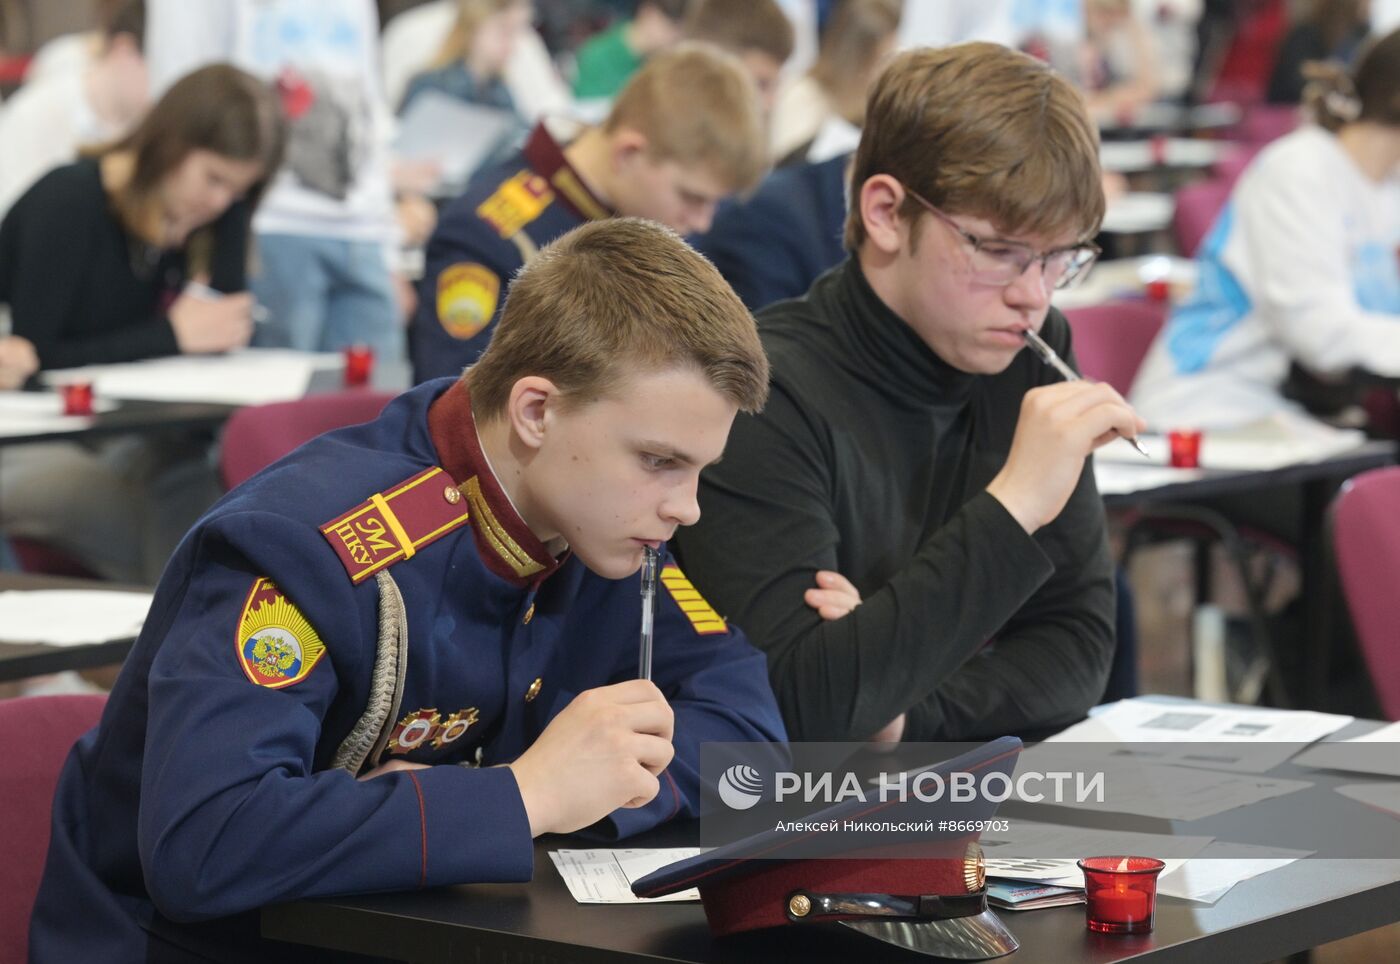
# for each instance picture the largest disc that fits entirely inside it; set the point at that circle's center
(606, 60)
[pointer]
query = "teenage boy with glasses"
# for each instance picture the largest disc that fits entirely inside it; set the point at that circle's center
(911, 528)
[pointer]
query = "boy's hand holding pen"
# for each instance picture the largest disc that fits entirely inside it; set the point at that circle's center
(1059, 426)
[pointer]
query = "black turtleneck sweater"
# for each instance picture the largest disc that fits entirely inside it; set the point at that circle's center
(872, 459)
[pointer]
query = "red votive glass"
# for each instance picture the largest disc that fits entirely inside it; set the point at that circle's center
(1120, 893)
(359, 362)
(1185, 447)
(77, 398)
(1158, 289)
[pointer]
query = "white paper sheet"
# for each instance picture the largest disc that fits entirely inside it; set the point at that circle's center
(1382, 796)
(1031, 836)
(1124, 478)
(1122, 278)
(606, 876)
(1138, 212)
(36, 413)
(1270, 443)
(250, 376)
(1243, 739)
(69, 617)
(1127, 157)
(1209, 875)
(458, 135)
(1355, 755)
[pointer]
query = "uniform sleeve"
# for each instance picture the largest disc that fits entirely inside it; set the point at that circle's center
(467, 269)
(767, 526)
(717, 685)
(1303, 275)
(233, 814)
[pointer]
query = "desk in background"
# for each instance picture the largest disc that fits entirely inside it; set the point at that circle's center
(19, 660)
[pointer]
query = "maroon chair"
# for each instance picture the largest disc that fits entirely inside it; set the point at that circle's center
(1366, 540)
(1110, 342)
(1112, 339)
(1263, 123)
(259, 435)
(38, 732)
(1197, 207)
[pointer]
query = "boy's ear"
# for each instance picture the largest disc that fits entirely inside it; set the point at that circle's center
(530, 410)
(628, 144)
(881, 197)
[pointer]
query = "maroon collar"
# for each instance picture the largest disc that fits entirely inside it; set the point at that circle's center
(507, 545)
(546, 158)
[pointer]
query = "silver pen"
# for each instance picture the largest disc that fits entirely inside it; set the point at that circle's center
(649, 565)
(1047, 355)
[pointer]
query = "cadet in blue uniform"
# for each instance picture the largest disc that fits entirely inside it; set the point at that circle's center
(452, 583)
(685, 132)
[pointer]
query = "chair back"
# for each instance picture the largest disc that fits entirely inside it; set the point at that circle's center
(1112, 339)
(259, 435)
(1197, 206)
(38, 732)
(1366, 540)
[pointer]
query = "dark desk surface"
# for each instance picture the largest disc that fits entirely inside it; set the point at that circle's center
(133, 416)
(21, 660)
(1306, 903)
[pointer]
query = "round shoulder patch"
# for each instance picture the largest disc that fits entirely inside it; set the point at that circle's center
(276, 645)
(466, 298)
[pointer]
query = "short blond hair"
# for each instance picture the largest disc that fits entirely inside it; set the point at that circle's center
(981, 130)
(696, 105)
(617, 297)
(742, 25)
(471, 14)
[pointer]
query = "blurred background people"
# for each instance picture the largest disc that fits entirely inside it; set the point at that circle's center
(95, 261)
(606, 60)
(1332, 30)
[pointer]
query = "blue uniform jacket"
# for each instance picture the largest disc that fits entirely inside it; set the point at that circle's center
(206, 790)
(506, 215)
(775, 244)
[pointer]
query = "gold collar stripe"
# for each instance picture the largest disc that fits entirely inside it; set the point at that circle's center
(511, 552)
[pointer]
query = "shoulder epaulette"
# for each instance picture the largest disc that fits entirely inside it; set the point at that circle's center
(520, 199)
(396, 523)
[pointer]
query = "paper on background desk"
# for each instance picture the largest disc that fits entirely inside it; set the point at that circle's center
(1381, 796)
(1211, 868)
(1282, 439)
(250, 376)
(1124, 478)
(1245, 739)
(70, 617)
(33, 413)
(606, 876)
(1357, 755)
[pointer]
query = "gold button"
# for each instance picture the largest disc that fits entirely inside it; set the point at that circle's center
(534, 690)
(800, 905)
(452, 495)
(529, 614)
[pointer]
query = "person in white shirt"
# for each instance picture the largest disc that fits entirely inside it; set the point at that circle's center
(1300, 267)
(326, 232)
(51, 116)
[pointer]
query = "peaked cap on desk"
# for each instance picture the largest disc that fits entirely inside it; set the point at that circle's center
(924, 892)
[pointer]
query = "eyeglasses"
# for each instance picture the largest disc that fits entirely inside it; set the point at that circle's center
(1000, 263)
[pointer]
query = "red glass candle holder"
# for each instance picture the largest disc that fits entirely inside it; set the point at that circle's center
(77, 398)
(359, 363)
(1185, 447)
(1120, 893)
(1158, 289)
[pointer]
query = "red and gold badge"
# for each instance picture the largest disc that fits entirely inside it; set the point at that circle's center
(466, 298)
(413, 731)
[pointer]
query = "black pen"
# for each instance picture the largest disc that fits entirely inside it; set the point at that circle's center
(1047, 355)
(649, 565)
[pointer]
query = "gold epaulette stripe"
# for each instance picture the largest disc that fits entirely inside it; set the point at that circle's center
(569, 186)
(510, 551)
(701, 614)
